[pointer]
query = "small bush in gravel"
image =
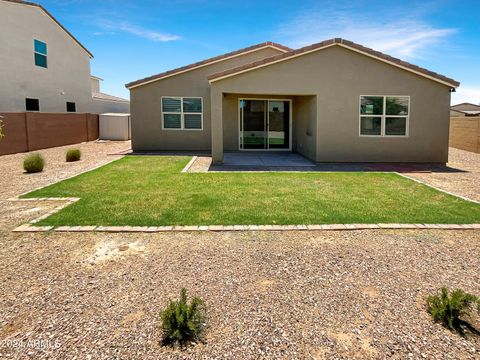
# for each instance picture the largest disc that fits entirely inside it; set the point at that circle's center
(449, 309)
(33, 163)
(73, 155)
(183, 322)
(1, 128)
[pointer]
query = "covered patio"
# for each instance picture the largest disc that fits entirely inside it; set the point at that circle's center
(263, 129)
(266, 159)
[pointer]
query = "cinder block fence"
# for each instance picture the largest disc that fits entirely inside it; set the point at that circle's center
(465, 133)
(29, 131)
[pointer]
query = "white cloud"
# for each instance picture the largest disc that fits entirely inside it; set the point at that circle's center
(388, 30)
(467, 93)
(139, 31)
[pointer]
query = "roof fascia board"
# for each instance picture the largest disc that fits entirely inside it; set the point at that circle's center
(206, 64)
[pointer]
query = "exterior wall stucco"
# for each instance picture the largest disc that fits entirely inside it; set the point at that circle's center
(338, 76)
(305, 126)
(67, 77)
(105, 106)
(145, 104)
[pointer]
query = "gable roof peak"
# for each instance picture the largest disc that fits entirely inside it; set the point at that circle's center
(28, 3)
(206, 62)
(346, 44)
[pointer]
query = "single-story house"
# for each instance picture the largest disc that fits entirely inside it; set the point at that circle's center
(334, 101)
(465, 109)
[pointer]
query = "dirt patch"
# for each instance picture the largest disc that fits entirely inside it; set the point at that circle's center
(112, 250)
(371, 292)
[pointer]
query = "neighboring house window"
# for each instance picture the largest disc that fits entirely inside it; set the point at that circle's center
(182, 113)
(32, 104)
(384, 115)
(71, 107)
(40, 53)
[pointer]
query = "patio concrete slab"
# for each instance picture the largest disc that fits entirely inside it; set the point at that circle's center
(266, 159)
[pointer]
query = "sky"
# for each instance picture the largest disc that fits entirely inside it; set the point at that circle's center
(134, 39)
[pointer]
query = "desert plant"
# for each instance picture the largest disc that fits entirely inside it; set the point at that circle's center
(73, 155)
(33, 163)
(450, 308)
(1, 129)
(182, 322)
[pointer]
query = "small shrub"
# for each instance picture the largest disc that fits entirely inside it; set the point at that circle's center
(73, 155)
(450, 308)
(33, 163)
(183, 322)
(1, 128)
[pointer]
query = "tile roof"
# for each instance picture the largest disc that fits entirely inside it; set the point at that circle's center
(53, 18)
(107, 97)
(337, 41)
(205, 62)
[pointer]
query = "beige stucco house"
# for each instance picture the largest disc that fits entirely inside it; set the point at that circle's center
(43, 67)
(335, 101)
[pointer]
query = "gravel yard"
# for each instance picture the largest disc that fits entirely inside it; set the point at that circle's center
(310, 294)
(13, 181)
(318, 295)
(466, 182)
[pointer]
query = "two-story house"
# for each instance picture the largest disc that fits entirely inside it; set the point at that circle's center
(43, 67)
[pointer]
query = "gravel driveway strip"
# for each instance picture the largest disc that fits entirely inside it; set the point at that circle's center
(292, 294)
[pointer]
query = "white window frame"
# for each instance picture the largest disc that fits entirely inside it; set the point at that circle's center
(383, 117)
(181, 113)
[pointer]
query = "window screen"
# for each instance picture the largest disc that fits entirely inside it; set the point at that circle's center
(182, 113)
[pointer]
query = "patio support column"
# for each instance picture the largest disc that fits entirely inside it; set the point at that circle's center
(216, 99)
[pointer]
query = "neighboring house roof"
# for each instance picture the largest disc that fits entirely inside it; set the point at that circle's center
(95, 78)
(466, 112)
(206, 62)
(53, 19)
(335, 42)
(459, 106)
(107, 97)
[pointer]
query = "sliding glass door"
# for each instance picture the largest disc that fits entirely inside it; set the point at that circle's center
(253, 126)
(264, 124)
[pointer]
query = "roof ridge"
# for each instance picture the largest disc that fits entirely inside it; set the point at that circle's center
(54, 20)
(105, 96)
(207, 61)
(340, 41)
(466, 103)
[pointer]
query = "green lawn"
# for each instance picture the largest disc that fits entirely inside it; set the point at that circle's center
(151, 191)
